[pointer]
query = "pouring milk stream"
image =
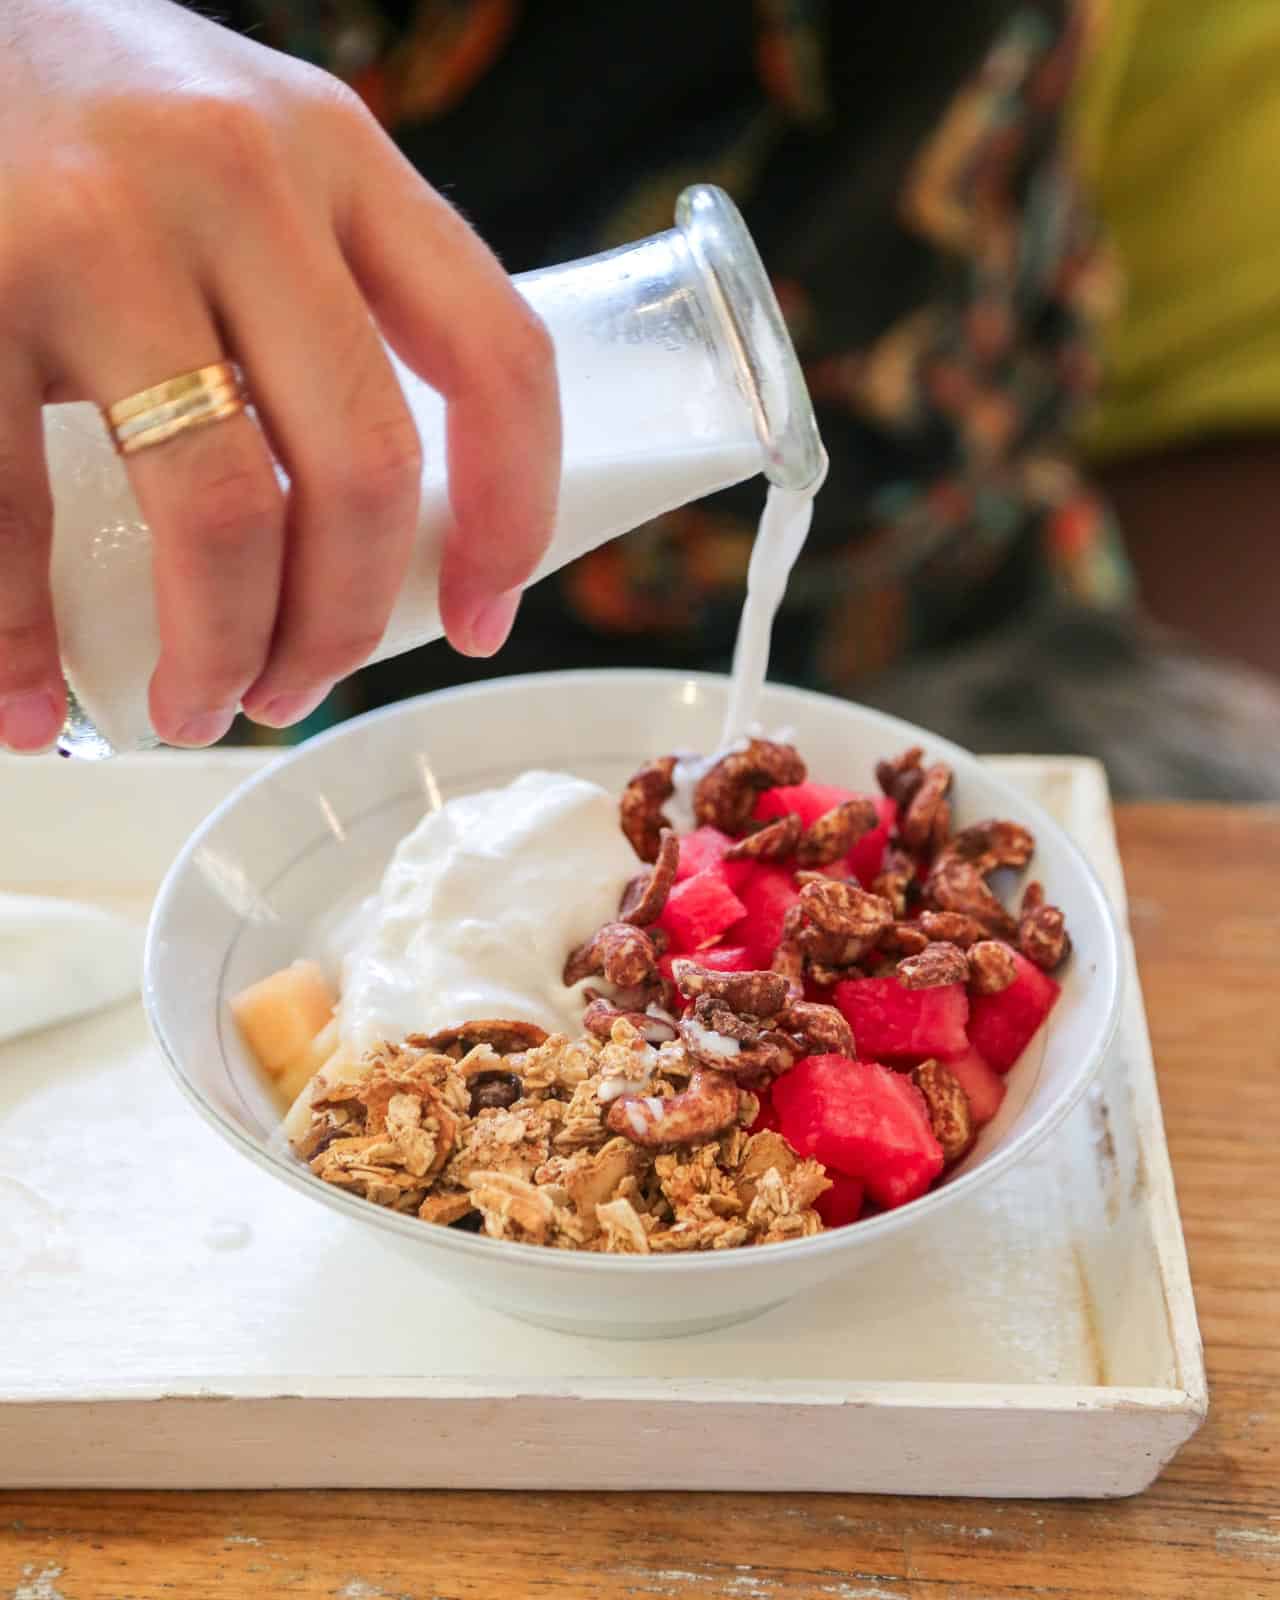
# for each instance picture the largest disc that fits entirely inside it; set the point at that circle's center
(677, 379)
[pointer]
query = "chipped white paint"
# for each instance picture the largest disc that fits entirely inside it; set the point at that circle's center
(882, 1383)
(39, 1585)
(749, 1586)
(241, 1538)
(859, 1591)
(664, 1581)
(1248, 1541)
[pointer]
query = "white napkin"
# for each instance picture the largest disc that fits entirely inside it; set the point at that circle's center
(60, 960)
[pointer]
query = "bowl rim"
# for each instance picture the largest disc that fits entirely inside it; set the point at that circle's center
(1109, 976)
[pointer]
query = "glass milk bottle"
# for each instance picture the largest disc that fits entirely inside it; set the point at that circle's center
(677, 379)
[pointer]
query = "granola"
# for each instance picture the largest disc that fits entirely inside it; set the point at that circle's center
(949, 1114)
(775, 841)
(641, 806)
(896, 881)
(925, 823)
(991, 967)
(936, 965)
(601, 1014)
(817, 1029)
(952, 926)
(607, 1145)
(753, 994)
(619, 952)
(836, 832)
(726, 795)
(1042, 930)
(957, 879)
(959, 886)
(902, 777)
(644, 1135)
(646, 895)
(836, 922)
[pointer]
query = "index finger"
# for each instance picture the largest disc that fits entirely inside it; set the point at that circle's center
(456, 319)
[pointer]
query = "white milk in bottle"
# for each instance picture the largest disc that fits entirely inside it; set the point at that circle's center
(677, 379)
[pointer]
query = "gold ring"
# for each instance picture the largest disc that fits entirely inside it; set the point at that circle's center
(209, 394)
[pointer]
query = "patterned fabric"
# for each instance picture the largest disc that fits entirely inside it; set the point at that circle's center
(942, 283)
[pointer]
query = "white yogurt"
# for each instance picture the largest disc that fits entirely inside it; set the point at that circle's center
(484, 899)
(479, 907)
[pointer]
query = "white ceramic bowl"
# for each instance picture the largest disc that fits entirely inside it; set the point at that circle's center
(248, 888)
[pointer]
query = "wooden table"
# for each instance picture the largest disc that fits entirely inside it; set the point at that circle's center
(1205, 888)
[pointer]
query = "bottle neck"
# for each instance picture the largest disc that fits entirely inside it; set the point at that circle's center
(741, 300)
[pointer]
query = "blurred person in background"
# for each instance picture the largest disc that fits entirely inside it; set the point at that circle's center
(909, 176)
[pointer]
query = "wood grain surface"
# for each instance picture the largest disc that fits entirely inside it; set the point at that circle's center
(1205, 888)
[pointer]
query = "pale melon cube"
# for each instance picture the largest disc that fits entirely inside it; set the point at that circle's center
(281, 1014)
(300, 1071)
(341, 1067)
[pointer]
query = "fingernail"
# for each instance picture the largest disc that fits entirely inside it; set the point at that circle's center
(29, 722)
(491, 623)
(287, 709)
(207, 728)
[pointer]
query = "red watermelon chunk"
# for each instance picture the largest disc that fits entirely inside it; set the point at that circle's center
(767, 1116)
(809, 801)
(841, 1204)
(703, 850)
(767, 895)
(718, 958)
(983, 1087)
(863, 1120)
(812, 800)
(890, 1022)
(1001, 1025)
(698, 911)
(867, 856)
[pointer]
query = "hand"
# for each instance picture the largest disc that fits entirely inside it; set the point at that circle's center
(174, 195)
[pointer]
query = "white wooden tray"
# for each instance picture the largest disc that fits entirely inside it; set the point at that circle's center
(171, 1317)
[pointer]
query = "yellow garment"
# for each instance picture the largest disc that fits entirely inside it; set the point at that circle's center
(1177, 119)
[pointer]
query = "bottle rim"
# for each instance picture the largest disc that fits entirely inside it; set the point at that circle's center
(767, 367)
